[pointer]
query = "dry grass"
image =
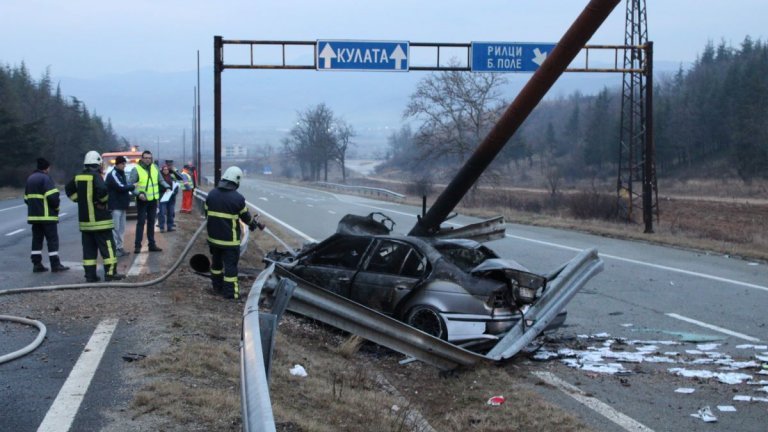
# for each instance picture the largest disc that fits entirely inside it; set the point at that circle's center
(720, 216)
(10, 192)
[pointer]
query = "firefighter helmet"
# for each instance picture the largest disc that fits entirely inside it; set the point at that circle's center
(92, 158)
(233, 174)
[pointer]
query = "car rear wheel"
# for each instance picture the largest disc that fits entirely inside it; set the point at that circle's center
(428, 320)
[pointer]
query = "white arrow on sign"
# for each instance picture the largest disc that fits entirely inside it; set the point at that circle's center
(399, 55)
(327, 55)
(539, 56)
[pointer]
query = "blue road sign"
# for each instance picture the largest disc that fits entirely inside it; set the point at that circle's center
(509, 56)
(362, 55)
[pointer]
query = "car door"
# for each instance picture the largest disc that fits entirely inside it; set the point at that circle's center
(391, 270)
(334, 265)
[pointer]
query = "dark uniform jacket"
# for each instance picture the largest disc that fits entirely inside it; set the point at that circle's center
(119, 190)
(42, 199)
(225, 207)
(90, 193)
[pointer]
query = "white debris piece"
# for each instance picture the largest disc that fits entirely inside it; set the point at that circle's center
(743, 398)
(671, 353)
(298, 370)
(607, 368)
(601, 335)
(685, 390)
(648, 348)
(694, 352)
(755, 347)
(723, 377)
(627, 325)
(707, 347)
(726, 408)
(761, 382)
(705, 414)
(544, 355)
(762, 357)
(659, 359)
(763, 389)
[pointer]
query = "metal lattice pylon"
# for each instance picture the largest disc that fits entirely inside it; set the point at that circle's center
(636, 185)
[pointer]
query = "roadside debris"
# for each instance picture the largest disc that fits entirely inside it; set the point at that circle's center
(685, 390)
(726, 408)
(705, 414)
(496, 401)
(298, 370)
(132, 357)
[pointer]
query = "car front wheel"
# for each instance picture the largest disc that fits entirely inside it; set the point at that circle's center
(428, 320)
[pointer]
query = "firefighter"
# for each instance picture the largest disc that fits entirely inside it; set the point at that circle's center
(225, 208)
(90, 193)
(42, 199)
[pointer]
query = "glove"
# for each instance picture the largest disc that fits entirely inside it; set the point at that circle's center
(256, 224)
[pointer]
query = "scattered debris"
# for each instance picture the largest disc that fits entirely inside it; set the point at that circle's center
(132, 357)
(743, 398)
(705, 414)
(685, 390)
(707, 347)
(726, 408)
(496, 401)
(755, 347)
(723, 377)
(298, 370)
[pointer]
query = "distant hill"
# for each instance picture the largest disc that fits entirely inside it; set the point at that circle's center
(260, 105)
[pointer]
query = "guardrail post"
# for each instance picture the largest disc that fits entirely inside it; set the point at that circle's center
(267, 327)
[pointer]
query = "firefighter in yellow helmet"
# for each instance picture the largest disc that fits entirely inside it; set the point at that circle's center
(225, 208)
(90, 193)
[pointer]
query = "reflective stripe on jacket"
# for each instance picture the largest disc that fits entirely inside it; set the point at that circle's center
(148, 182)
(90, 193)
(42, 199)
(224, 208)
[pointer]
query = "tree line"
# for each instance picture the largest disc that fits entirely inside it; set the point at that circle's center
(712, 115)
(36, 120)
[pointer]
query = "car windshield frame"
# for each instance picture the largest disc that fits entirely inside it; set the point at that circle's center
(463, 256)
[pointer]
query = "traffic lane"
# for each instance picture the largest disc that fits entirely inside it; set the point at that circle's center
(31, 383)
(704, 263)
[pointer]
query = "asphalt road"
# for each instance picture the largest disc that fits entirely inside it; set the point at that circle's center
(30, 385)
(646, 292)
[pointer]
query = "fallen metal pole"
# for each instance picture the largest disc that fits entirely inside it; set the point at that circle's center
(542, 80)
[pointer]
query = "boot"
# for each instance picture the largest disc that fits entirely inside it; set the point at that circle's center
(114, 277)
(56, 265)
(39, 267)
(90, 274)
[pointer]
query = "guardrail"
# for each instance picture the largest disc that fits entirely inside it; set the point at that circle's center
(362, 190)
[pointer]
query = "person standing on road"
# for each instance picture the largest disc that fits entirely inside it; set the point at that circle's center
(90, 193)
(119, 200)
(225, 208)
(146, 178)
(164, 217)
(175, 176)
(187, 189)
(42, 199)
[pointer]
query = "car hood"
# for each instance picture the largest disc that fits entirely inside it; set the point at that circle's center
(498, 264)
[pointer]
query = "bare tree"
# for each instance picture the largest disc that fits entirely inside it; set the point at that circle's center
(457, 109)
(316, 139)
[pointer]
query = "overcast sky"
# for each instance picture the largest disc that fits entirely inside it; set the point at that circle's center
(89, 38)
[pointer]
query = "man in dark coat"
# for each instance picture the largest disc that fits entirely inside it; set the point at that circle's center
(119, 200)
(42, 199)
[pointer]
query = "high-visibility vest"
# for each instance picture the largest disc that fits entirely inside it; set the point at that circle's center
(148, 182)
(187, 180)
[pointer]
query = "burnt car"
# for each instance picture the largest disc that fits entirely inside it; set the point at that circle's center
(455, 289)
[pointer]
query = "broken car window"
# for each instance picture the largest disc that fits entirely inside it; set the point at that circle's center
(345, 252)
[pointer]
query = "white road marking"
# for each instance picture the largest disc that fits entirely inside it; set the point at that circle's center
(138, 265)
(285, 225)
(9, 208)
(656, 266)
(713, 327)
(15, 232)
(622, 420)
(64, 408)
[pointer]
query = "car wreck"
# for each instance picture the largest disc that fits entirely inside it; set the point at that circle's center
(448, 288)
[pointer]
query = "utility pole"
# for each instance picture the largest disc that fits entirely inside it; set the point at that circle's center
(636, 183)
